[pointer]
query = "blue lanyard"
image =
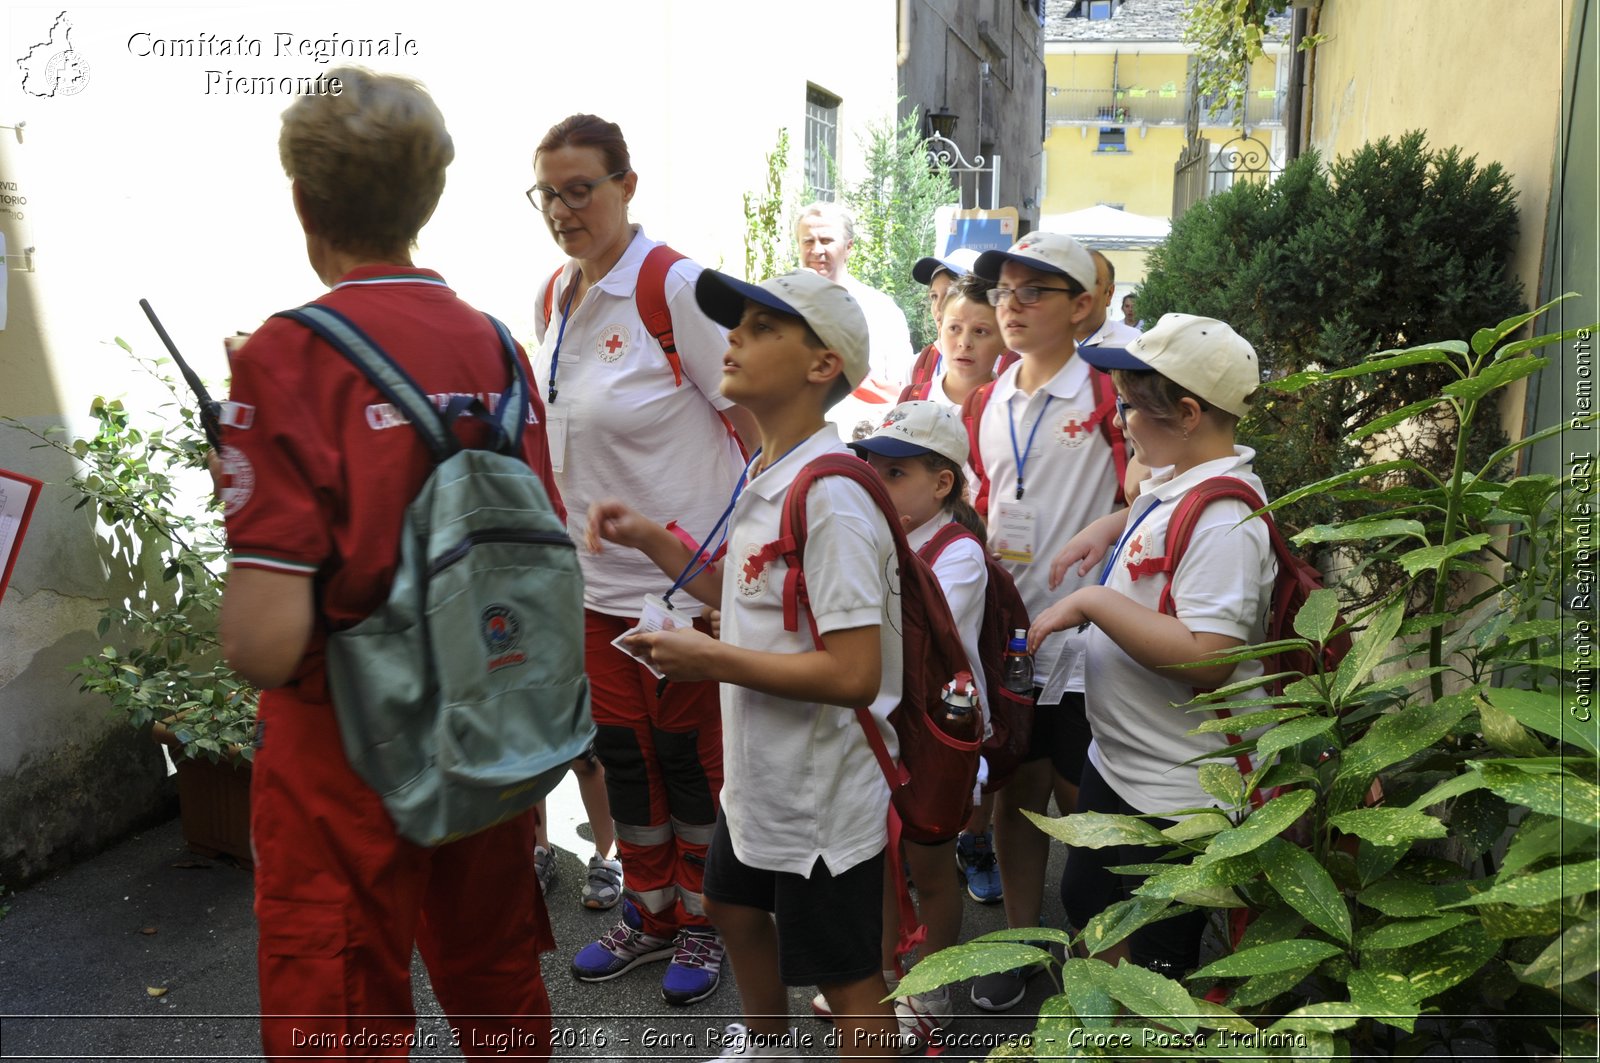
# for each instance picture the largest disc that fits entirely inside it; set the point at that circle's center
(1105, 573)
(561, 332)
(1022, 456)
(701, 554)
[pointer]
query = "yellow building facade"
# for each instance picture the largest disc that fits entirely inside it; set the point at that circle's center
(1117, 107)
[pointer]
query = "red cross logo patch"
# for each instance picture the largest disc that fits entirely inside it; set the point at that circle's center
(1136, 548)
(1071, 430)
(612, 343)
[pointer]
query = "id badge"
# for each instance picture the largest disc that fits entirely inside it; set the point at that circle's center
(1017, 523)
(656, 615)
(555, 430)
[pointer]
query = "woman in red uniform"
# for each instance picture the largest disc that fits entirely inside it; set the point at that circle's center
(316, 474)
(637, 415)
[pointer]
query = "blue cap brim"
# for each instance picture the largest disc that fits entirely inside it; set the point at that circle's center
(989, 263)
(889, 448)
(1111, 358)
(722, 298)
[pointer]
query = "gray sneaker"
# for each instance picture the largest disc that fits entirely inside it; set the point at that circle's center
(603, 889)
(544, 865)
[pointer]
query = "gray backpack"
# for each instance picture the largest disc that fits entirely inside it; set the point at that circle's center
(462, 699)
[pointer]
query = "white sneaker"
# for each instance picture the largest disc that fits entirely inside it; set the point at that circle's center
(922, 1016)
(819, 1003)
(739, 1043)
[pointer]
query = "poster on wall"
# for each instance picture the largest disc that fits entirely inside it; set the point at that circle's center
(18, 493)
(980, 230)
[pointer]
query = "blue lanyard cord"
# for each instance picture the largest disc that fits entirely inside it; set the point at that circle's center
(561, 332)
(1022, 456)
(701, 554)
(1105, 573)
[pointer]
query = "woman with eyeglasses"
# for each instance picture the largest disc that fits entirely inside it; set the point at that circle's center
(630, 371)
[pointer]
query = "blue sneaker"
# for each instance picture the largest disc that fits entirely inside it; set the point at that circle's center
(696, 967)
(622, 948)
(975, 855)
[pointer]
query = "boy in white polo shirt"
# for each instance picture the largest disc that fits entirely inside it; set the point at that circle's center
(1050, 473)
(794, 876)
(1182, 388)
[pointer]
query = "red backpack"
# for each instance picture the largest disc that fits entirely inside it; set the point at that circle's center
(923, 372)
(650, 298)
(1010, 715)
(1104, 417)
(930, 790)
(1294, 583)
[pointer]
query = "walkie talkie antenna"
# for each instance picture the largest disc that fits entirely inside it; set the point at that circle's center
(210, 409)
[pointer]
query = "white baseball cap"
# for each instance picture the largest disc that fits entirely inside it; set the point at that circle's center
(1201, 354)
(830, 311)
(913, 428)
(1050, 252)
(957, 263)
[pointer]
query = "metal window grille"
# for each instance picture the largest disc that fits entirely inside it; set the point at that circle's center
(822, 142)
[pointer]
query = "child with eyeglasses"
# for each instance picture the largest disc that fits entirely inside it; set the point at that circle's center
(1182, 388)
(1049, 472)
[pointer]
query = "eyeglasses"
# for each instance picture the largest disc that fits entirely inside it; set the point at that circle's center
(576, 195)
(1122, 410)
(1026, 296)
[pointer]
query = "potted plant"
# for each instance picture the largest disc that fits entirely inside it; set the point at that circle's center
(143, 478)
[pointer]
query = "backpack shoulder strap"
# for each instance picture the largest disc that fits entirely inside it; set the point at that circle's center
(1105, 415)
(1180, 529)
(396, 385)
(393, 382)
(922, 368)
(550, 296)
(972, 408)
(953, 532)
(650, 297)
(791, 546)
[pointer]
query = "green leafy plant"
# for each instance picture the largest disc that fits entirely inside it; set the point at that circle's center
(1393, 245)
(142, 476)
(1227, 36)
(767, 232)
(894, 206)
(1440, 788)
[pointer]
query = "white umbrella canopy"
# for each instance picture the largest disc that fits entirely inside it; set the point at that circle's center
(1109, 228)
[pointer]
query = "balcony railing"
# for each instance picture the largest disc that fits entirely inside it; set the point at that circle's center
(1157, 106)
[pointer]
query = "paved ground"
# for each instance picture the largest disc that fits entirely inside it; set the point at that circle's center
(82, 953)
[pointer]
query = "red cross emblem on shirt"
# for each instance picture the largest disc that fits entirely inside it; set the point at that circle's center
(613, 343)
(1136, 547)
(1072, 428)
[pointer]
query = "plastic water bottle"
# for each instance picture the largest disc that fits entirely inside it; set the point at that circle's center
(960, 721)
(1017, 668)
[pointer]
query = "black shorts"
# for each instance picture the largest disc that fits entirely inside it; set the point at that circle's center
(1061, 733)
(830, 927)
(1088, 887)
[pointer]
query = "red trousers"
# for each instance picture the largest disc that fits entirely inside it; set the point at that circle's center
(341, 899)
(663, 761)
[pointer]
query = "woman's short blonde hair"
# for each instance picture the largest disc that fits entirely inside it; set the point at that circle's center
(369, 162)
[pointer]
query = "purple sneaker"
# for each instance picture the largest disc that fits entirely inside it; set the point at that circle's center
(622, 948)
(696, 967)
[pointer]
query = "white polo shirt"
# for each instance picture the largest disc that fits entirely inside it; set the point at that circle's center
(631, 433)
(963, 574)
(1113, 333)
(1071, 481)
(888, 336)
(799, 779)
(1223, 585)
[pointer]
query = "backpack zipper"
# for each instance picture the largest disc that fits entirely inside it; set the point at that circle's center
(497, 535)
